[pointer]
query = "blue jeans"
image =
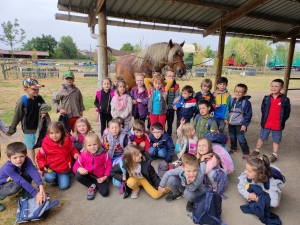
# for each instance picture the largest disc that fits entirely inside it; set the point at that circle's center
(158, 152)
(235, 135)
(62, 178)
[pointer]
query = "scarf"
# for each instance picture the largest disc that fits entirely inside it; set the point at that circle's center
(121, 102)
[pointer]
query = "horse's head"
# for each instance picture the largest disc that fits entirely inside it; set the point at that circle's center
(176, 58)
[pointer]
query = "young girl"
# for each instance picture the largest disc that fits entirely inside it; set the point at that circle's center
(82, 127)
(121, 104)
(102, 102)
(139, 96)
(139, 172)
(54, 158)
(258, 171)
(205, 93)
(92, 167)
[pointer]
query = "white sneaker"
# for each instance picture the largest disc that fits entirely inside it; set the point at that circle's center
(135, 194)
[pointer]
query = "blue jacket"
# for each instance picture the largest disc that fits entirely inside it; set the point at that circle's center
(166, 142)
(284, 112)
(240, 111)
(186, 107)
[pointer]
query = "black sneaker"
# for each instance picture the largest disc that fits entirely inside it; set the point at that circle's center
(91, 192)
(172, 197)
(189, 206)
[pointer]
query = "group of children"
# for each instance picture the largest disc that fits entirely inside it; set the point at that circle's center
(98, 158)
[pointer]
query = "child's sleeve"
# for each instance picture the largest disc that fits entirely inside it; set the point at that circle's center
(82, 108)
(287, 109)
(113, 112)
(247, 114)
(147, 83)
(41, 159)
(18, 116)
(74, 150)
(128, 110)
(165, 178)
(169, 83)
(96, 103)
(77, 164)
(275, 191)
(146, 98)
(242, 186)
(117, 173)
(227, 106)
(56, 101)
(170, 150)
(108, 165)
(3, 126)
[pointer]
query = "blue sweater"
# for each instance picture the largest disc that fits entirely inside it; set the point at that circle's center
(166, 142)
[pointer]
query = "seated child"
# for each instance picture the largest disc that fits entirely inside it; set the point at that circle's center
(205, 93)
(20, 169)
(92, 167)
(121, 121)
(161, 143)
(139, 172)
(186, 179)
(82, 127)
(54, 158)
(138, 136)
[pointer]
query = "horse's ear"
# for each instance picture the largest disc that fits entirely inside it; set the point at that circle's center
(171, 43)
(182, 44)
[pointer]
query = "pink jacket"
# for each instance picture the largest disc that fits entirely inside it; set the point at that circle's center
(98, 164)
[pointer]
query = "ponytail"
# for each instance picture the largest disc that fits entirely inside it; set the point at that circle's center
(262, 167)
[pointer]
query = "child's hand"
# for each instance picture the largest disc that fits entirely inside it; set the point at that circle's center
(243, 128)
(76, 156)
(207, 156)
(161, 189)
(102, 179)
(139, 100)
(134, 143)
(174, 107)
(40, 196)
(63, 111)
(81, 114)
(217, 105)
(43, 115)
(190, 179)
(253, 197)
(155, 145)
(226, 121)
(134, 102)
(182, 121)
(82, 171)
(124, 177)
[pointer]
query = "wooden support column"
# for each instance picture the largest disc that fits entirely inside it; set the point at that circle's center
(289, 65)
(220, 53)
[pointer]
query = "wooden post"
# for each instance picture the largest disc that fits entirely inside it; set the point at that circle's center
(289, 65)
(220, 54)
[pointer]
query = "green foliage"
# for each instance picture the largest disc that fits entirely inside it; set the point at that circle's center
(208, 52)
(67, 47)
(282, 51)
(111, 59)
(127, 47)
(139, 46)
(196, 46)
(199, 55)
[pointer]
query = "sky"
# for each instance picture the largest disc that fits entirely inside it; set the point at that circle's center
(37, 17)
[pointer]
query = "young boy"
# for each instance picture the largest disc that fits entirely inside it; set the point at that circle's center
(205, 93)
(68, 100)
(116, 79)
(138, 136)
(201, 121)
(161, 143)
(20, 169)
(186, 179)
(222, 100)
(239, 118)
(29, 115)
(185, 105)
(275, 111)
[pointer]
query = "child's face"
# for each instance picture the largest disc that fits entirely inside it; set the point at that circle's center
(137, 156)
(121, 89)
(275, 88)
(190, 171)
(157, 85)
(106, 85)
(17, 159)
(205, 88)
(221, 87)
(138, 133)
(139, 80)
(202, 147)
(114, 129)
(157, 133)
(251, 173)
(154, 74)
(239, 92)
(55, 135)
(186, 94)
(69, 81)
(115, 82)
(170, 75)
(31, 93)
(82, 128)
(204, 110)
(92, 145)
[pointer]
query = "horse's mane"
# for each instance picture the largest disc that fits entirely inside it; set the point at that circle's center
(156, 53)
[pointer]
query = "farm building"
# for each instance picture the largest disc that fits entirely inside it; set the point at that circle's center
(23, 54)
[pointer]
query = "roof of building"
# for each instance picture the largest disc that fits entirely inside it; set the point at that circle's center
(8, 52)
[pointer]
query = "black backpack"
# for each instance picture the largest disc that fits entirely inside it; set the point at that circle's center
(207, 208)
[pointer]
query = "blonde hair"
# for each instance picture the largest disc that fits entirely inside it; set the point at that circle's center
(129, 152)
(159, 77)
(189, 159)
(187, 130)
(114, 121)
(107, 78)
(90, 135)
(138, 125)
(206, 82)
(81, 120)
(119, 77)
(139, 75)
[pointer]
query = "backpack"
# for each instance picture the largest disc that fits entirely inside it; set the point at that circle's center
(236, 116)
(115, 181)
(207, 208)
(225, 158)
(28, 210)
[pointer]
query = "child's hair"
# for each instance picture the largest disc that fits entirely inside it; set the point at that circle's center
(119, 83)
(204, 102)
(14, 148)
(114, 121)
(81, 120)
(108, 79)
(158, 78)
(222, 80)
(121, 120)
(190, 159)
(187, 130)
(119, 77)
(157, 126)
(156, 69)
(129, 152)
(261, 165)
(244, 86)
(206, 82)
(188, 88)
(210, 149)
(170, 70)
(139, 75)
(90, 135)
(278, 81)
(138, 125)
(57, 125)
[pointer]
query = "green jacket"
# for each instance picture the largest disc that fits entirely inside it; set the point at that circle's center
(201, 126)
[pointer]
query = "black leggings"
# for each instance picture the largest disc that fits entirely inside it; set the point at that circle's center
(87, 181)
(104, 120)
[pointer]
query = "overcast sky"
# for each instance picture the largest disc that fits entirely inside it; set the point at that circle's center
(37, 17)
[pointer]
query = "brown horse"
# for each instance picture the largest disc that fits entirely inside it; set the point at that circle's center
(160, 54)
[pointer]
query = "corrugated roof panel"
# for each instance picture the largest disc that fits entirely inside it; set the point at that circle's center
(137, 7)
(130, 4)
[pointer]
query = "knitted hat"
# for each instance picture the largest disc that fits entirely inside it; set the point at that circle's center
(31, 83)
(68, 74)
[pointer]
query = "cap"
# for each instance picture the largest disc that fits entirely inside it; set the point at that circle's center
(31, 83)
(68, 74)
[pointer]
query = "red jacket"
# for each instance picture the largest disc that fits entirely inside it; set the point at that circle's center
(59, 159)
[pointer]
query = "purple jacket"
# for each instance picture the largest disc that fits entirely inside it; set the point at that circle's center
(142, 110)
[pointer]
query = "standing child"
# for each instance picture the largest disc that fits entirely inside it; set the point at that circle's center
(239, 118)
(121, 104)
(82, 127)
(28, 112)
(117, 78)
(222, 100)
(92, 167)
(205, 93)
(275, 109)
(138, 136)
(102, 102)
(139, 172)
(139, 96)
(21, 171)
(55, 156)
(68, 100)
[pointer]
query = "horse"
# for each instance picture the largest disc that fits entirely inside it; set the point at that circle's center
(159, 54)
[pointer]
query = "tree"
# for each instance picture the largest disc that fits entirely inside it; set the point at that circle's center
(34, 55)
(68, 47)
(208, 52)
(139, 46)
(127, 47)
(199, 55)
(282, 51)
(12, 35)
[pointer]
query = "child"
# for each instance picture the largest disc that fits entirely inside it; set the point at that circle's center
(239, 118)
(68, 100)
(21, 171)
(116, 79)
(121, 104)
(138, 136)
(29, 116)
(275, 109)
(201, 121)
(55, 157)
(3, 126)
(139, 96)
(205, 93)
(161, 143)
(102, 102)
(185, 105)
(139, 172)
(115, 140)
(258, 172)
(222, 100)
(156, 70)
(186, 179)
(82, 127)
(92, 167)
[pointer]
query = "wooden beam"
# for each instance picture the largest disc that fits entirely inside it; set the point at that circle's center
(234, 15)
(293, 32)
(289, 65)
(220, 54)
(94, 11)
